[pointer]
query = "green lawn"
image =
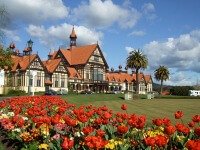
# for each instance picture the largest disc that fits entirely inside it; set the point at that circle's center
(151, 108)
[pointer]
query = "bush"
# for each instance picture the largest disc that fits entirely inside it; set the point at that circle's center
(16, 92)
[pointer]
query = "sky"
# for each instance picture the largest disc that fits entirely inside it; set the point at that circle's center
(166, 31)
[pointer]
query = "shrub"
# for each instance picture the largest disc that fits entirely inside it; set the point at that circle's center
(12, 92)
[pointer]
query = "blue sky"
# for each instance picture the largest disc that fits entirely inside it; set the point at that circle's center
(167, 32)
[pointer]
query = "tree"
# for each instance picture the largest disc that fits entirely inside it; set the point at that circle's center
(161, 74)
(136, 61)
(5, 58)
(5, 54)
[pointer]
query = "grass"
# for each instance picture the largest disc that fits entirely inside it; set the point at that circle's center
(151, 108)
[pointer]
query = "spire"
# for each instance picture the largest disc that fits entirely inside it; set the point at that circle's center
(73, 34)
(73, 38)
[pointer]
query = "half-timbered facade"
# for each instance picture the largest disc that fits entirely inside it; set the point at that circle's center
(75, 68)
(86, 66)
(27, 72)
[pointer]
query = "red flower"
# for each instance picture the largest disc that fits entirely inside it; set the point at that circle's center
(82, 118)
(196, 118)
(193, 145)
(100, 132)
(55, 119)
(178, 114)
(166, 121)
(87, 130)
(161, 140)
(197, 131)
(20, 122)
(182, 128)
(122, 129)
(95, 142)
(150, 141)
(169, 130)
(157, 122)
(191, 124)
(107, 115)
(67, 144)
(124, 107)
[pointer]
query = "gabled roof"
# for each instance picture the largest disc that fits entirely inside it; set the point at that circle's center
(22, 62)
(73, 73)
(78, 55)
(51, 64)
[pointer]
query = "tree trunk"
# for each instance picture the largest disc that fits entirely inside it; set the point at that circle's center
(161, 87)
(137, 81)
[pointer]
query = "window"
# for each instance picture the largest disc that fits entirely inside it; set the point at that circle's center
(38, 79)
(18, 79)
(56, 80)
(31, 82)
(62, 80)
(97, 74)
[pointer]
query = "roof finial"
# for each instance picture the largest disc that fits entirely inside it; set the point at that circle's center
(73, 38)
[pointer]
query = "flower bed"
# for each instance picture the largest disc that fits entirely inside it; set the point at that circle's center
(48, 122)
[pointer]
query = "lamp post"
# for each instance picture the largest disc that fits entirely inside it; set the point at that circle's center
(29, 48)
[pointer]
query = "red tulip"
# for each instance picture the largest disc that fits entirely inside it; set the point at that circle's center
(67, 143)
(124, 107)
(157, 122)
(150, 141)
(169, 130)
(178, 114)
(197, 131)
(122, 129)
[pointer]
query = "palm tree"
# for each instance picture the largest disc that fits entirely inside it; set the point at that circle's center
(161, 74)
(136, 61)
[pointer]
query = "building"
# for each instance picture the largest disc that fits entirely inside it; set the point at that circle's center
(75, 68)
(123, 81)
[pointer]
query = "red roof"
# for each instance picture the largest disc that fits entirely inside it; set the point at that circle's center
(73, 73)
(22, 61)
(78, 55)
(119, 77)
(52, 64)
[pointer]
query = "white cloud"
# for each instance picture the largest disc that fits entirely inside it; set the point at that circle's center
(105, 13)
(182, 53)
(149, 11)
(11, 34)
(148, 8)
(33, 11)
(129, 49)
(137, 33)
(181, 78)
(50, 36)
